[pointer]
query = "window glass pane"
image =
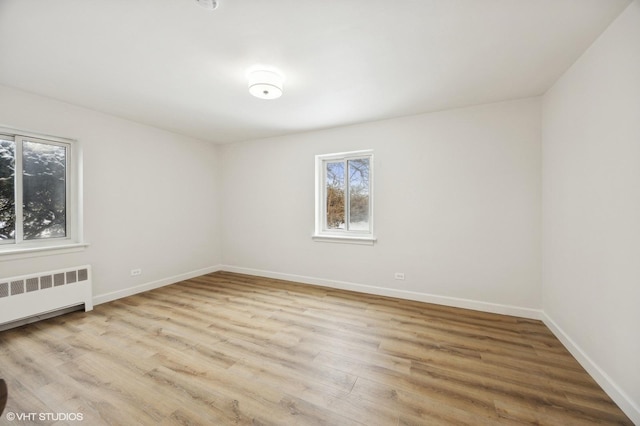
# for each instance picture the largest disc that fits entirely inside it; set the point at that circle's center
(359, 194)
(44, 194)
(335, 196)
(7, 190)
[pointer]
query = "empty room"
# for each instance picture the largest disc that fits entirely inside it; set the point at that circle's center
(296, 212)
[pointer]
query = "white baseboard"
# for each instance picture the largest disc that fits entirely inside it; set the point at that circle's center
(390, 292)
(606, 383)
(108, 297)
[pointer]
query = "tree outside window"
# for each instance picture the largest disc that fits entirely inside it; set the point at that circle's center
(33, 189)
(344, 194)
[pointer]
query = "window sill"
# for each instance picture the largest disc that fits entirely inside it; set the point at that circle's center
(14, 253)
(344, 239)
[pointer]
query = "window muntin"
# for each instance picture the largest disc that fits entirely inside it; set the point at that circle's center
(35, 191)
(344, 195)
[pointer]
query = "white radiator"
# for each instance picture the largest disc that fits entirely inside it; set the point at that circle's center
(31, 296)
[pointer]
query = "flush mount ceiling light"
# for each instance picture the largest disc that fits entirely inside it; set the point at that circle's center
(208, 4)
(265, 84)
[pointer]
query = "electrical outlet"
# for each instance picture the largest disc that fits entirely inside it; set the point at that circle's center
(136, 272)
(399, 275)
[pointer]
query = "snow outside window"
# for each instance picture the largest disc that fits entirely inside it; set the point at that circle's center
(38, 198)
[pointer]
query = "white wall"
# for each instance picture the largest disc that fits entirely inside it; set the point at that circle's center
(591, 209)
(457, 207)
(150, 196)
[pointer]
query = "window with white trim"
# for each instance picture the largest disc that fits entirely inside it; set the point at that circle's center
(344, 197)
(38, 192)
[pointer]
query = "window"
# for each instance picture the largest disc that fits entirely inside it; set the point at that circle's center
(38, 198)
(344, 197)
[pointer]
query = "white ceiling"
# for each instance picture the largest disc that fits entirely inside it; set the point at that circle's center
(174, 65)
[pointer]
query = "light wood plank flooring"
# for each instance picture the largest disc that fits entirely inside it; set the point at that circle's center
(226, 349)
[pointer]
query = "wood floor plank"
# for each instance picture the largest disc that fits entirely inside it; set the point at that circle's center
(232, 349)
(419, 409)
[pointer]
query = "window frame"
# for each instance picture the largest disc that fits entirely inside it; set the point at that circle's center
(18, 247)
(322, 233)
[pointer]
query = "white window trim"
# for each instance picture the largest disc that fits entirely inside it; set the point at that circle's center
(43, 250)
(74, 240)
(322, 234)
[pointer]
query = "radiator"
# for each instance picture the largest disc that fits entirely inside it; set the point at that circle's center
(28, 297)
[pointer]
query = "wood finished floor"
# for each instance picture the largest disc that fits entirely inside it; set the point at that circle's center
(226, 349)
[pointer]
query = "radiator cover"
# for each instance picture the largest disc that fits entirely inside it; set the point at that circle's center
(32, 295)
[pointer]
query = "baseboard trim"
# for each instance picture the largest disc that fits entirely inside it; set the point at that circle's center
(400, 294)
(108, 297)
(608, 385)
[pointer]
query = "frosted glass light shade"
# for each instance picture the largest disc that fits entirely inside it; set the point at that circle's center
(265, 84)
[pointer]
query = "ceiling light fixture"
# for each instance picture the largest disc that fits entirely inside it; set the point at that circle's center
(265, 84)
(208, 4)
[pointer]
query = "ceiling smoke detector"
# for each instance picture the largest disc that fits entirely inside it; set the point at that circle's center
(208, 4)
